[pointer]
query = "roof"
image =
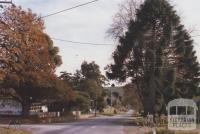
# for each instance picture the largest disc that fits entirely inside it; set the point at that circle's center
(182, 102)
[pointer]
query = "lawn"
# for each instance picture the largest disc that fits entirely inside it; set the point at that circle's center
(4, 130)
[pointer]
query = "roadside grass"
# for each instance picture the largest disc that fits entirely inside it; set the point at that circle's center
(36, 119)
(107, 114)
(187, 133)
(164, 131)
(4, 130)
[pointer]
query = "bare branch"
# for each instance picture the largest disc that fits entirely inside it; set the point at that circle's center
(121, 20)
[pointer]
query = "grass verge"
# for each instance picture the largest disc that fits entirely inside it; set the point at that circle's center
(4, 130)
(164, 131)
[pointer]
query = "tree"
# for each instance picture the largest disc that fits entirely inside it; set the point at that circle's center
(88, 80)
(131, 98)
(28, 58)
(55, 58)
(82, 102)
(156, 52)
(121, 20)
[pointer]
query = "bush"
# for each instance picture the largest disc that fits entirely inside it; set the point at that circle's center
(82, 102)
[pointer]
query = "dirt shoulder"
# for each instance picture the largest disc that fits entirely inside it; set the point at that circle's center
(135, 130)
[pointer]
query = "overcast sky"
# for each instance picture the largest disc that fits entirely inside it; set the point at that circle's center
(89, 24)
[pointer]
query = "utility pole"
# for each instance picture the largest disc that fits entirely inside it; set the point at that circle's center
(95, 113)
(111, 97)
(113, 85)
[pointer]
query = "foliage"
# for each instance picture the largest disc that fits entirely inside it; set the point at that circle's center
(101, 104)
(121, 20)
(28, 58)
(156, 52)
(131, 98)
(91, 71)
(88, 82)
(82, 102)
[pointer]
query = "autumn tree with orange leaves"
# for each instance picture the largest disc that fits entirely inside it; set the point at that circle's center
(28, 58)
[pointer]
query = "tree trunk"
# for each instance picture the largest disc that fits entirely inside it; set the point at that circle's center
(150, 99)
(25, 108)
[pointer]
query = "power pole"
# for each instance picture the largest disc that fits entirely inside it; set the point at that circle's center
(112, 86)
(95, 113)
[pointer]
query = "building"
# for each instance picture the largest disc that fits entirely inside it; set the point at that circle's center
(8, 105)
(37, 108)
(114, 95)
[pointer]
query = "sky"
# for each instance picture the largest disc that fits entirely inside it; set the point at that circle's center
(89, 24)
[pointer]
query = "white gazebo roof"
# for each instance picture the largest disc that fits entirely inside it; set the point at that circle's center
(182, 102)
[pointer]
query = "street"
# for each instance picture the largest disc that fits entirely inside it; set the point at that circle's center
(99, 125)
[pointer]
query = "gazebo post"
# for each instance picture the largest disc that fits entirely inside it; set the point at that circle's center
(195, 114)
(186, 110)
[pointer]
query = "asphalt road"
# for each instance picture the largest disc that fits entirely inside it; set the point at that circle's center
(99, 125)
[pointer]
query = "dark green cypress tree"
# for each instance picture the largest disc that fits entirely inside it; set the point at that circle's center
(157, 53)
(188, 68)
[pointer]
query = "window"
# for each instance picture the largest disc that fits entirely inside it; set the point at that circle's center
(190, 111)
(173, 110)
(181, 110)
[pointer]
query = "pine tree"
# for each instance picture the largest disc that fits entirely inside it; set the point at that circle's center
(157, 53)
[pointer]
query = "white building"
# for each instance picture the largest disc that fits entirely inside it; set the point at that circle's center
(37, 108)
(10, 107)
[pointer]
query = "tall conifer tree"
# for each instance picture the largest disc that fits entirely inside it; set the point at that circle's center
(157, 53)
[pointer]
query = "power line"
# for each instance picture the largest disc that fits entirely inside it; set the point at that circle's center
(195, 36)
(95, 44)
(6, 1)
(82, 43)
(69, 8)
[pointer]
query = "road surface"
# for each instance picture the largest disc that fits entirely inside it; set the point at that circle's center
(99, 125)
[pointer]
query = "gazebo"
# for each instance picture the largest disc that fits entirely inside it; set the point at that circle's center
(182, 114)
